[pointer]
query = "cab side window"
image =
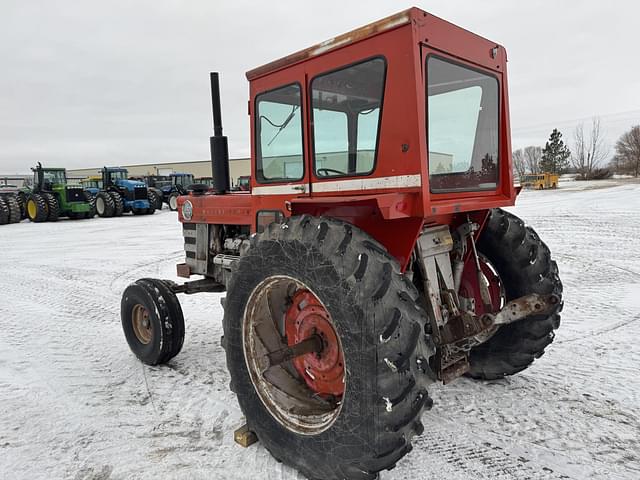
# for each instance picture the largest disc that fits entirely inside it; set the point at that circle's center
(346, 112)
(279, 150)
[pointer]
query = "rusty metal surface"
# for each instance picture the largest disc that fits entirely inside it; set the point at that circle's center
(183, 270)
(356, 35)
(523, 307)
(244, 437)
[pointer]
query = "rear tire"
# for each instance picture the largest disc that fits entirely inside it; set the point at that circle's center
(22, 201)
(91, 200)
(382, 335)
(154, 200)
(524, 264)
(152, 321)
(37, 209)
(53, 206)
(105, 206)
(118, 204)
(4, 212)
(13, 205)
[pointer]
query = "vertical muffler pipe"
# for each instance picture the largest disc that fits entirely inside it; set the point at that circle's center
(218, 143)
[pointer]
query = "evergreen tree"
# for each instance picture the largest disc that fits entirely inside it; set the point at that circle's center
(555, 154)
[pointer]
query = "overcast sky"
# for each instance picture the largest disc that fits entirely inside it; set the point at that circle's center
(87, 83)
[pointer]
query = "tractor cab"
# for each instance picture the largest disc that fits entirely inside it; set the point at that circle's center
(50, 178)
(243, 184)
(181, 181)
(92, 184)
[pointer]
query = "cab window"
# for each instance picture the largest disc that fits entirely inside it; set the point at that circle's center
(346, 111)
(462, 127)
(278, 125)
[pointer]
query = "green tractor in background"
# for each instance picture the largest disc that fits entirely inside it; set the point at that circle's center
(52, 197)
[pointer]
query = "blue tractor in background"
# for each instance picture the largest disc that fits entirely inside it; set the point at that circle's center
(179, 184)
(119, 195)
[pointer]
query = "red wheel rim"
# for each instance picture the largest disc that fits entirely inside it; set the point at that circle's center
(469, 287)
(323, 372)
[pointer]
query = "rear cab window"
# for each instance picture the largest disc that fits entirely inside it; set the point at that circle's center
(462, 107)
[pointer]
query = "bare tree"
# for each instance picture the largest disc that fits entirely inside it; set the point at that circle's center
(588, 151)
(519, 163)
(532, 156)
(627, 157)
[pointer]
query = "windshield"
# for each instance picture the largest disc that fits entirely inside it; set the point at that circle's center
(91, 183)
(462, 128)
(55, 176)
(118, 175)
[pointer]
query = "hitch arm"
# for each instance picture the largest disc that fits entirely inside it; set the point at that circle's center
(533, 304)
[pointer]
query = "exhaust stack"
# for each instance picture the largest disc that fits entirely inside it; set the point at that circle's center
(218, 143)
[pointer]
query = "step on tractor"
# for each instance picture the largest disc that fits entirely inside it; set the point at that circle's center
(372, 256)
(119, 194)
(53, 197)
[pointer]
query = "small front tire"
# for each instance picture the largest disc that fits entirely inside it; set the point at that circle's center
(152, 321)
(173, 201)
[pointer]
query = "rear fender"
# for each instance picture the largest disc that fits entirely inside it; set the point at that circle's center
(393, 219)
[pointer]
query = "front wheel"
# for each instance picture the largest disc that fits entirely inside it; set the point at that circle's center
(521, 263)
(104, 205)
(173, 201)
(152, 321)
(37, 208)
(334, 294)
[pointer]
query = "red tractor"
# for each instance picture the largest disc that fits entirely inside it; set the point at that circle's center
(371, 256)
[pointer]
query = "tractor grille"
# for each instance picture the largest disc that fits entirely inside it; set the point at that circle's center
(75, 195)
(140, 193)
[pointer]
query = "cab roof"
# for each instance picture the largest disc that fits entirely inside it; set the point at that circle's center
(413, 15)
(388, 23)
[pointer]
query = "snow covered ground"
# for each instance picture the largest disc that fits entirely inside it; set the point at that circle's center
(76, 404)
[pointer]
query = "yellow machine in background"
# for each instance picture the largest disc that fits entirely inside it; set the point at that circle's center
(540, 181)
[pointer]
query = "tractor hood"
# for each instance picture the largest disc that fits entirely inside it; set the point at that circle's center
(131, 184)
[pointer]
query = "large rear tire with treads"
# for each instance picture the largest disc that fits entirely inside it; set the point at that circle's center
(105, 207)
(4, 211)
(13, 205)
(53, 207)
(37, 208)
(329, 277)
(524, 264)
(118, 204)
